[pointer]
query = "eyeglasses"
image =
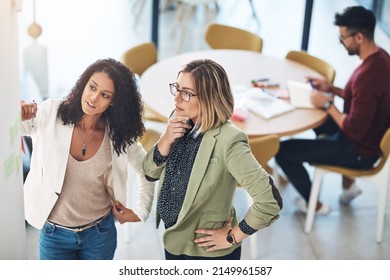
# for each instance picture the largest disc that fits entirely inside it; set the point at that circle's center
(342, 38)
(184, 94)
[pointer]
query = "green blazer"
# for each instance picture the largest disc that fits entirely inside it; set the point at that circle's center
(224, 159)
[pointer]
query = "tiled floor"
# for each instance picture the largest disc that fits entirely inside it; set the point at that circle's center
(95, 30)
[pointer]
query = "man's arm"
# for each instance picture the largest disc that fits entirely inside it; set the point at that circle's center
(337, 116)
(336, 91)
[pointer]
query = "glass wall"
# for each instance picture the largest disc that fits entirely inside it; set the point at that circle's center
(381, 9)
(383, 14)
(369, 4)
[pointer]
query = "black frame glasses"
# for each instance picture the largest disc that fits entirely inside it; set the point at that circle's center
(342, 38)
(184, 94)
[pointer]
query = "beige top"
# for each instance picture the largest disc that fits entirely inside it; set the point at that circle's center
(84, 198)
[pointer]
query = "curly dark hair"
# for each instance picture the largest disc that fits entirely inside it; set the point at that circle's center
(124, 118)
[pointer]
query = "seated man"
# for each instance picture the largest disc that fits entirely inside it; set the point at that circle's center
(353, 136)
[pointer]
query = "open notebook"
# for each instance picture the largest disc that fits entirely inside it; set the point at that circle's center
(265, 105)
(300, 94)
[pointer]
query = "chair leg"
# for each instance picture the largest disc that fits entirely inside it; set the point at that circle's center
(253, 246)
(180, 10)
(315, 191)
(382, 181)
(186, 18)
(209, 13)
(141, 4)
(254, 13)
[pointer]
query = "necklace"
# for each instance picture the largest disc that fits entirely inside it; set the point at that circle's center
(84, 147)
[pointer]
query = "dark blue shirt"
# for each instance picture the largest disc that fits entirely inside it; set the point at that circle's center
(178, 172)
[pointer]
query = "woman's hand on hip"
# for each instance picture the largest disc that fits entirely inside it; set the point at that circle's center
(215, 239)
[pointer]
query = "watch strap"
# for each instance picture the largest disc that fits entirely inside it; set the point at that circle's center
(328, 104)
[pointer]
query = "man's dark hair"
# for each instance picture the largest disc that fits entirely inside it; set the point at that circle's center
(357, 19)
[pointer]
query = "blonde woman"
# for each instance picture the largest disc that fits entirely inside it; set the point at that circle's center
(199, 160)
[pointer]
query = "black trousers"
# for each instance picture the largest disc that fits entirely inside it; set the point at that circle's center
(335, 150)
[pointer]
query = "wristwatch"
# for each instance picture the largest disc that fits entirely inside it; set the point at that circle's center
(230, 237)
(328, 104)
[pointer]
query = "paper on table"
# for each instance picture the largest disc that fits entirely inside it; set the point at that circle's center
(240, 112)
(300, 94)
(265, 105)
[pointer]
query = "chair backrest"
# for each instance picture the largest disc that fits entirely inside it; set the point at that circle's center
(140, 58)
(149, 138)
(220, 36)
(313, 62)
(152, 115)
(264, 148)
(385, 148)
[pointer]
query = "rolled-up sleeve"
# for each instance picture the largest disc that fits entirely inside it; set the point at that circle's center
(267, 202)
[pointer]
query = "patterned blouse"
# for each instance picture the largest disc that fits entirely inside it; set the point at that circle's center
(178, 172)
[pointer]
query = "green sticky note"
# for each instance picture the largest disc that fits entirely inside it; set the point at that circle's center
(10, 166)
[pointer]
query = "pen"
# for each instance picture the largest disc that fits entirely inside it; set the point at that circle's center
(261, 80)
(311, 83)
(264, 84)
(258, 82)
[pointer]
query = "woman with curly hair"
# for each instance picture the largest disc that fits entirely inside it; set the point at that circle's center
(82, 147)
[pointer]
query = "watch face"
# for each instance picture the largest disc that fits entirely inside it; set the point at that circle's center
(328, 104)
(229, 239)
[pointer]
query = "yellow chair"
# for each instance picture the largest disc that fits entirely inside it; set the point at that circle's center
(313, 62)
(149, 138)
(220, 36)
(263, 148)
(379, 175)
(138, 59)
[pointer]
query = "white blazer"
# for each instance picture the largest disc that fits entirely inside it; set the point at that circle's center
(51, 145)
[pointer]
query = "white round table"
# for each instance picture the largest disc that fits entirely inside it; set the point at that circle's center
(242, 67)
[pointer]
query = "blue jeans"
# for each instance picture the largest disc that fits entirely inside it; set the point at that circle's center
(334, 150)
(95, 243)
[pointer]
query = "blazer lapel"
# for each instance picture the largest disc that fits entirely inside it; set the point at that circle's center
(63, 136)
(198, 170)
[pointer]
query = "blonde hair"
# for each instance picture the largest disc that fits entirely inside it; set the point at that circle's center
(213, 92)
